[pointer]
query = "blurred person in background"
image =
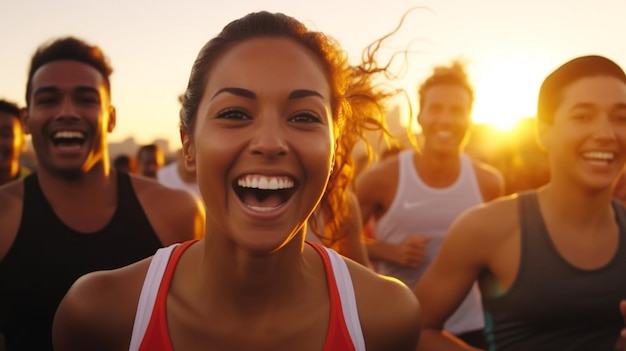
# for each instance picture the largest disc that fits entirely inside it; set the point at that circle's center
(415, 195)
(176, 175)
(11, 143)
(150, 159)
(124, 163)
(550, 262)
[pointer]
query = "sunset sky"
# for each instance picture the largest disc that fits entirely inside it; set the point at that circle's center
(510, 45)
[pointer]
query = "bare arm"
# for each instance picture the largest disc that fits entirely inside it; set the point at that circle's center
(449, 278)
(369, 195)
(490, 181)
(98, 312)
(389, 312)
(176, 215)
(74, 328)
(381, 251)
(410, 252)
(375, 190)
(93, 315)
(352, 244)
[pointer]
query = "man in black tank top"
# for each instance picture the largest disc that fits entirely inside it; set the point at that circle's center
(74, 215)
(550, 262)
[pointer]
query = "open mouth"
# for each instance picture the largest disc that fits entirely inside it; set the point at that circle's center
(264, 193)
(600, 158)
(67, 138)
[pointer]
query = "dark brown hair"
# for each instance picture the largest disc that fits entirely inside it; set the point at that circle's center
(69, 48)
(551, 91)
(355, 103)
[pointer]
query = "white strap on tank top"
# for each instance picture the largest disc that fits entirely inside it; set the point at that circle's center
(157, 270)
(348, 300)
(148, 294)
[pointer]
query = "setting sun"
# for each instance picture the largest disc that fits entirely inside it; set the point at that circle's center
(509, 47)
(506, 90)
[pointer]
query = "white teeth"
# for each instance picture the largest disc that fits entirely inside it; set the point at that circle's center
(599, 155)
(262, 209)
(68, 134)
(265, 183)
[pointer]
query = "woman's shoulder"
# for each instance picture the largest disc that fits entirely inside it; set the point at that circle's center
(388, 310)
(100, 307)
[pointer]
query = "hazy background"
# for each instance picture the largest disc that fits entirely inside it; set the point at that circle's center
(510, 45)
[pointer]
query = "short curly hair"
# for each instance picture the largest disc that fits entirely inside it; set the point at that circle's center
(69, 48)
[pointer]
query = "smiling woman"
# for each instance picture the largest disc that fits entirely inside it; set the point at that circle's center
(270, 116)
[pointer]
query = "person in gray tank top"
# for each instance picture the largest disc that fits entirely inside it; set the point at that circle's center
(415, 195)
(550, 262)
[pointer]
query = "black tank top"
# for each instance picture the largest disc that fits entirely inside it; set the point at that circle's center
(47, 257)
(553, 305)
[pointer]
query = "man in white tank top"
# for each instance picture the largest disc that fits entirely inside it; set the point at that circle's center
(416, 195)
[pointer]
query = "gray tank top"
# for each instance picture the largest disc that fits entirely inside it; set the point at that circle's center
(553, 305)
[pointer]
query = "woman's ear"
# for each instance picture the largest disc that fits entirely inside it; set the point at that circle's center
(189, 153)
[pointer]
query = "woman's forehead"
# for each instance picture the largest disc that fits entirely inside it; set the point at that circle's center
(266, 63)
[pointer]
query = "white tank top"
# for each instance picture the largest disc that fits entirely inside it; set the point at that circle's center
(420, 209)
(168, 176)
(156, 271)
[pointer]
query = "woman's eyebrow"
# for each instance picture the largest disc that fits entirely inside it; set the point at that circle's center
(296, 94)
(236, 91)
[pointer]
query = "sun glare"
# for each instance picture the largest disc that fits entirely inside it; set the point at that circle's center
(506, 91)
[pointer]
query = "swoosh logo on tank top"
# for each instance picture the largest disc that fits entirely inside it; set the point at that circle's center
(413, 204)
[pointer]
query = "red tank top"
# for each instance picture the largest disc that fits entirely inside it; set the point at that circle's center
(338, 338)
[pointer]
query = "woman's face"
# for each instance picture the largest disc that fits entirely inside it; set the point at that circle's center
(263, 142)
(587, 139)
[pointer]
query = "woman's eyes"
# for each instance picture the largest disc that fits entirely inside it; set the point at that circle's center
(306, 117)
(236, 114)
(233, 114)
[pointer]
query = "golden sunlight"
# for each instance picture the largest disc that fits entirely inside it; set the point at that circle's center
(506, 90)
